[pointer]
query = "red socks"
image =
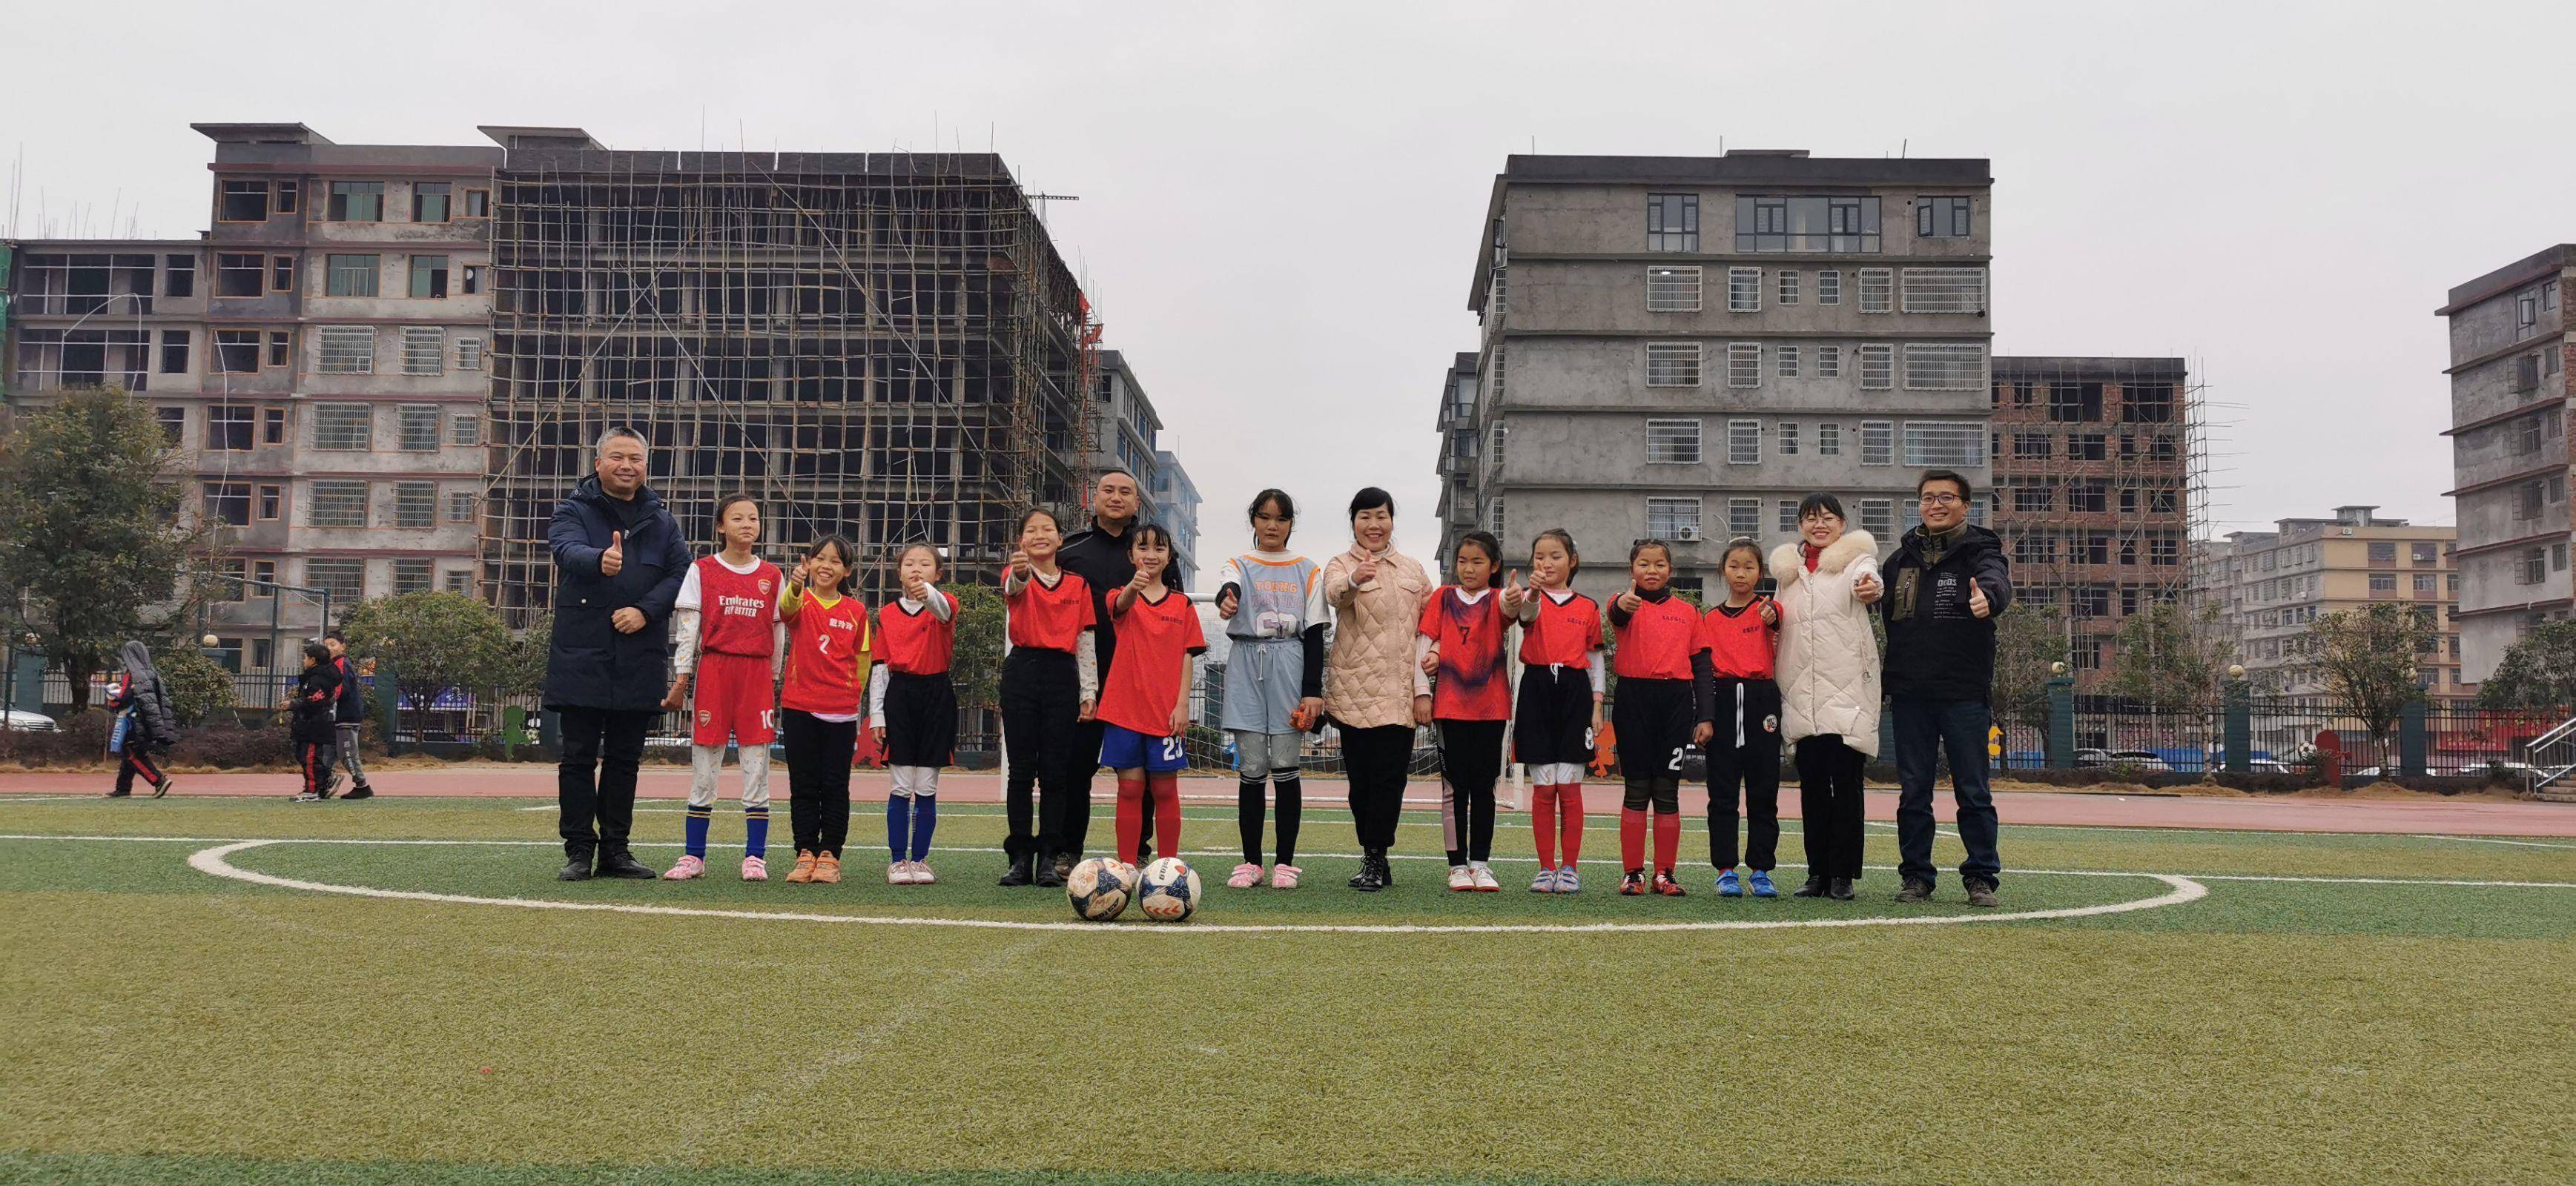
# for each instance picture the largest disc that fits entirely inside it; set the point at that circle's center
(1569, 804)
(1131, 813)
(1167, 816)
(1668, 841)
(1543, 823)
(1632, 838)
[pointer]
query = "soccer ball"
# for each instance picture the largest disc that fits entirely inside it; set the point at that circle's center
(1168, 891)
(1099, 888)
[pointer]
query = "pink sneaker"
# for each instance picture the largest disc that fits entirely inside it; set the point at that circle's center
(755, 869)
(1246, 876)
(899, 873)
(921, 874)
(1284, 876)
(689, 867)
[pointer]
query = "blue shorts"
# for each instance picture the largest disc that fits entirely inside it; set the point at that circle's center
(1122, 748)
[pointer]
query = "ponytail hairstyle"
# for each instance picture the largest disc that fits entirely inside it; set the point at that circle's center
(841, 548)
(1485, 542)
(725, 504)
(1145, 532)
(938, 565)
(1281, 505)
(1034, 512)
(1743, 543)
(1573, 558)
(1639, 549)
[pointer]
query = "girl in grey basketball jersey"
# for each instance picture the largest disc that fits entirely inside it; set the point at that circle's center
(1273, 606)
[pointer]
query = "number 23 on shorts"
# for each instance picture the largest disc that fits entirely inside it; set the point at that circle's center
(1171, 749)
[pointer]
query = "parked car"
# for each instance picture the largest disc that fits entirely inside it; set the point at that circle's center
(2518, 771)
(2269, 766)
(2086, 756)
(31, 722)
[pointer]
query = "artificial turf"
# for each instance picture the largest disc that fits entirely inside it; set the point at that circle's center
(172, 1026)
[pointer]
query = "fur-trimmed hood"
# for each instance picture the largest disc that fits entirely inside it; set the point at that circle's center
(1788, 563)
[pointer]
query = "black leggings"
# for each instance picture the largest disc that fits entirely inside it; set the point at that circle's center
(1663, 792)
(1377, 760)
(1249, 803)
(818, 779)
(1829, 804)
(1471, 761)
(1041, 696)
(137, 762)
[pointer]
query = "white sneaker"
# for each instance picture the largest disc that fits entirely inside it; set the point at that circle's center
(1483, 877)
(899, 873)
(1461, 880)
(921, 874)
(1545, 882)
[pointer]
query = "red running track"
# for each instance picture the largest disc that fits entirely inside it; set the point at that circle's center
(2475, 817)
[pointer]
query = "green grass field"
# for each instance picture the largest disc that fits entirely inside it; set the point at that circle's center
(2348, 1021)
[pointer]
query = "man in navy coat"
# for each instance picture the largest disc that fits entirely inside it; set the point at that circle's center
(619, 560)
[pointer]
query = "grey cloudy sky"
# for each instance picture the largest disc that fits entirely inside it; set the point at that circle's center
(1280, 202)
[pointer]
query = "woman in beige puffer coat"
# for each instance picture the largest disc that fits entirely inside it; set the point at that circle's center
(1373, 690)
(1829, 698)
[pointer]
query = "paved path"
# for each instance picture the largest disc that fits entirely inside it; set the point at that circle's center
(2431, 815)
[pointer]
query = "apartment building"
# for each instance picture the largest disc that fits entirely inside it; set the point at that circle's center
(2267, 587)
(2092, 491)
(2510, 352)
(1178, 498)
(1684, 347)
(1457, 463)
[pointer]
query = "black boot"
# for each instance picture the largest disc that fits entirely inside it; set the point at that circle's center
(1019, 873)
(1053, 870)
(1815, 887)
(1841, 890)
(576, 867)
(1385, 870)
(1372, 875)
(621, 863)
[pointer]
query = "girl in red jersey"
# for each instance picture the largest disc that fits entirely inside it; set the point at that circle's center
(912, 709)
(1461, 648)
(1145, 706)
(1740, 637)
(1659, 668)
(725, 634)
(1560, 701)
(1042, 700)
(818, 718)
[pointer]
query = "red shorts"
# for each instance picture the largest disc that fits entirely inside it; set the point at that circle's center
(734, 698)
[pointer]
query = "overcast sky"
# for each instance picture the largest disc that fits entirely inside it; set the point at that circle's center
(1280, 203)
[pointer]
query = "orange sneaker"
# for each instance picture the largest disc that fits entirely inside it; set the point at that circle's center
(827, 869)
(804, 870)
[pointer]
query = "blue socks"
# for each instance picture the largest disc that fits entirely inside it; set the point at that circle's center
(697, 830)
(925, 820)
(755, 824)
(910, 819)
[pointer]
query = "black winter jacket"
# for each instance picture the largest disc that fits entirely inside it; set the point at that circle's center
(352, 706)
(1936, 649)
(156, 725)
(317, 692)
(588, 663)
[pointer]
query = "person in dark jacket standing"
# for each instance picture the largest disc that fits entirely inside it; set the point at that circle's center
(154, 726)
(349, 716)
(619, 560)
(317, 693)
(1097, 554)
(1945, 586)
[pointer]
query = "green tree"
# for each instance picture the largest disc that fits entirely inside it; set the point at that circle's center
(430, 643)
(978, 663)
(2366, 658)
(199, 687)
(522, 670)
(2539, 671)
(92, 540)
(2167, 658)
(2029, 644)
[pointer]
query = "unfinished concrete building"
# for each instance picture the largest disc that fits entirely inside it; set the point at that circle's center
(883, 346)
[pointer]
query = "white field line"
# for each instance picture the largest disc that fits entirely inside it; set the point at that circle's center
(213, 861)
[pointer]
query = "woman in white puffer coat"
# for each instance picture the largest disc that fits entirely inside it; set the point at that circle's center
(1829, 698)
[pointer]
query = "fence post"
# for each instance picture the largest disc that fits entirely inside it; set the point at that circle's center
(2237, 731)
(2061, 720)
(2411, 738)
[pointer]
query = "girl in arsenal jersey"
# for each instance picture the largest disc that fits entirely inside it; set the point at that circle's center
(725, 629)
(912, 709)
(1042, 701)
(1559, 708)
(1658, 664)
(1741, 636)
(819, 705)
(1460, 646)
(1145, 704)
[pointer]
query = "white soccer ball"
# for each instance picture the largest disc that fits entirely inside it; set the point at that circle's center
(1099, 888)
(1168, 891)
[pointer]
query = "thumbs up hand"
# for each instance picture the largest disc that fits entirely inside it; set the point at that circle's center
(1629, 601)
(613, 561)
(1977, 603)
(1770, 612)
(1512, 592)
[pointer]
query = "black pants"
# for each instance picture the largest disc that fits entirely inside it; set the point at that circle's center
(609, 745)
(1040, 697)
(137, 762)
(1829, 804)
(314, 758)
(818, 778)
(1471, 761)
(1926, 729)
(1754, 768)
(1067, 820)
(1376, 760)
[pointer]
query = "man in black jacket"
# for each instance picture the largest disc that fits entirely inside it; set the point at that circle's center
(619, 560)
(1097, 554)
(349, 716)
(1945, 585)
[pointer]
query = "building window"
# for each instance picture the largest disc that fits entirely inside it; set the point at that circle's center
(1829, 286)
(345, 427)
(2087, 446)
(1877, 367)
(228, 502)
(1950, 444)
(272, 502)
(1766, 223)
(2383, 582)
(421, 353)
(457, 580)
(2526, 311)
(412, 576)
(179, 275)
(1944, 290)
(231, 427)
(478, 203)
(2033, 446)
(460, 506)
(2091, 494)
(1788, 438)
(1672, 222)
(1743, 516)
(416, 428)
(348, 350)
(1672, 518)
(1941, 218)
(1744, 442)
(281, 273)
(290, 195)
(2147, 403)
(350, 275)
(2426, 585)
(1875, 286)
(2557, 563)
(1878, 517)
(415, 504)
(1672, 364)
(1672, 289)
(1494, 517)
(343, 577)
(1788, 286)
(1785, 356)
(429, 275)
(465, 430)
(469, 354)
(356, 201)
(1672, 442)
(239, 274)
(174, 351)
(1877, 442)
(2075, 403)
(337, 504)
(281, 348)
(1945, 366)
(429, 201)
(236, 351)
(243, 201)
(470, 280)
(174, 424)
(1744, 364)
(1744, 290)
(2034, 498)
(1788, 509)
(1829, 439)
(1829, 362)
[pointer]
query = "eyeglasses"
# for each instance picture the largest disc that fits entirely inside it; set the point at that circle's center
(1940, 500)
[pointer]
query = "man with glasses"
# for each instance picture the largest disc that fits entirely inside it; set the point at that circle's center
(1945, 585)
